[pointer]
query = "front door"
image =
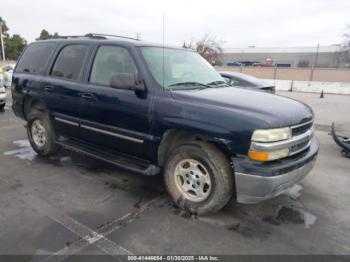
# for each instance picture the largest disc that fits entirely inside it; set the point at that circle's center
(61, 89)
(114, 118)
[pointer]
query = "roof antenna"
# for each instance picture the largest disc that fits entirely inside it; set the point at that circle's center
(163, 50)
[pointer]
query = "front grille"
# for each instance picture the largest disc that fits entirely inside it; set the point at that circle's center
(301, 129)
(299, 147)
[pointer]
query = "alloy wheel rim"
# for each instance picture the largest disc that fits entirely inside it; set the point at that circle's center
(192, 179)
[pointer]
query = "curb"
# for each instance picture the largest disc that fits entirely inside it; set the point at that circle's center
(321, 127)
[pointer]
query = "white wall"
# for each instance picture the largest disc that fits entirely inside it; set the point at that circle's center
(340, 88)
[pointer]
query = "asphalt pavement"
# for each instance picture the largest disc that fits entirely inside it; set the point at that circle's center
(71, 204)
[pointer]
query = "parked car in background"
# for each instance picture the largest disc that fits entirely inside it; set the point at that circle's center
(2, 90)
(248, 63)
(2, 96)
(8, 71)
(246, 81)
(1, 78)
(266, 65)
(233, 63)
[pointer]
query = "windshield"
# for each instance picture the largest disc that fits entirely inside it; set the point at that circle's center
(182, 68)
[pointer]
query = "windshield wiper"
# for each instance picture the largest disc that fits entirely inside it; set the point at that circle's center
(216, 83)
(191, 84)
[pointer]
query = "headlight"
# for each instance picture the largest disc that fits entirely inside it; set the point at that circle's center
(266, 137)
(2, 89)
(268, 156)
(271, 135)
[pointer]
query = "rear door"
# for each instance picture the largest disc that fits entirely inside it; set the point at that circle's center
(61, 90)
(114, 118)
(29, 74)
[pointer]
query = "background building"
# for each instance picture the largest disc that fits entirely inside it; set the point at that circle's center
(322, 56)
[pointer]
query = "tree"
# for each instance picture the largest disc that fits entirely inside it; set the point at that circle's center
(44, 34)
(347, 36)
(304, 63)
(208, 47)
(55, 35)
(14, 46)
(3, 30)
(189, 45)
(4, 27)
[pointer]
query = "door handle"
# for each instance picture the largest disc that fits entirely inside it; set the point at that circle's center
(48, 88)
(87, 96)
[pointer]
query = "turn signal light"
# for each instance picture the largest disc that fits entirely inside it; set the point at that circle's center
(259, 156)
(268, 156)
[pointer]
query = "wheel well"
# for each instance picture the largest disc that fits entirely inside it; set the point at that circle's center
(173, 137)
(30, 103)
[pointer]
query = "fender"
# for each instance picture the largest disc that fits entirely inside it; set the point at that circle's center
(222, 125)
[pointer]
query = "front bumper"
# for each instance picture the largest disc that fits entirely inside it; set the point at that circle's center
(257, 181)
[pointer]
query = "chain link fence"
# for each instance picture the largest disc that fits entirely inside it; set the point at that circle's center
(299, 74)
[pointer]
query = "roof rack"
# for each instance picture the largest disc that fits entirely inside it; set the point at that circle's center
(104, 36)
(95, 36)
(65, 37)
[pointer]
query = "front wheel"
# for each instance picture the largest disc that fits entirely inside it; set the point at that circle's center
(198, 177)
(41, 134)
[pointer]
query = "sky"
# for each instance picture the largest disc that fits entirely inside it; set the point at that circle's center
(261, 23)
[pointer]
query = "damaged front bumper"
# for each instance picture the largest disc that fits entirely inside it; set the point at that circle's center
(341, 136)
(257, 181)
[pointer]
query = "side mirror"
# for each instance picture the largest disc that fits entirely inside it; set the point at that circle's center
(126, 81)
(227, 80)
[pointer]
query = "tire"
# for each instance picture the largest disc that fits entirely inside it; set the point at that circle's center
(207, 161)
(2, 107)
(46, 146)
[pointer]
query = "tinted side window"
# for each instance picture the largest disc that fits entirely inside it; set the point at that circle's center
(35, 57)
(110, 60)
(69, 62)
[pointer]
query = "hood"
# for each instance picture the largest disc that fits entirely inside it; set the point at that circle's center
(276, 111)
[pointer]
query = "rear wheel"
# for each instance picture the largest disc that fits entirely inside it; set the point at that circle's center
(198, 177)
(41, 134)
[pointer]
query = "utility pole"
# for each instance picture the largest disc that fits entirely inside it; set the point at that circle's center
(2, 43)
(138, 36)
(317, 51)
(315, 64)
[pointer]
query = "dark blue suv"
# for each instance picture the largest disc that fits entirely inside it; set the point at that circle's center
(153, 109)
